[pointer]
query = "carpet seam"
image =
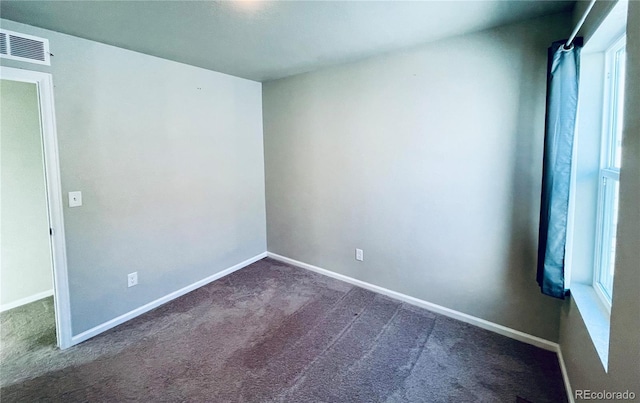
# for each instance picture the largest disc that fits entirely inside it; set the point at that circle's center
(384, 329)
(422, 351)
(366, 354)
(375, 341)
(289, 317)
(323, 352)
(326, 315)
(316, 324)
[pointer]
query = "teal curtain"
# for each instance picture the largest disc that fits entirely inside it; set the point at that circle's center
(562, 103)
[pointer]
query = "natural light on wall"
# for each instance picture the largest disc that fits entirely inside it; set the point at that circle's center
(249, 5)
(591, 246)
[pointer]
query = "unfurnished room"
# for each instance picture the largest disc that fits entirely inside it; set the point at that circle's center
(320, 201)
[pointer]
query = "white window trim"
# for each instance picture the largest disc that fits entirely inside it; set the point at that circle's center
(607, 155)
(586, 174)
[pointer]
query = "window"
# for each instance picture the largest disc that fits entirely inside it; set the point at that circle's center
(609, 178)
(593, 214)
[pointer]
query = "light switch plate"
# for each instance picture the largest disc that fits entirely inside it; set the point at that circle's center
(75, 199)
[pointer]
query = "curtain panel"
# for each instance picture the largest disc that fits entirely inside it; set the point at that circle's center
(562, 103)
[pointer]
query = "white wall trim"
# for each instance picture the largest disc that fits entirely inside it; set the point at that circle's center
(565, 376)
(26, 300)
(484, 324)
(44, 82)
(472, 320)
(162, 300)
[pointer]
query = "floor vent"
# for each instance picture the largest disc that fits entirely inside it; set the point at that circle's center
(26, 48)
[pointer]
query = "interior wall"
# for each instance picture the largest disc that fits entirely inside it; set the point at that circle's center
(169, 159)
(583, 365)
(25, 254)
(429, 160)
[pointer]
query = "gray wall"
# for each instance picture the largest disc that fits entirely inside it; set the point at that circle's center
(25, 254)
(583, 365)
(430, 160)
(169, 158)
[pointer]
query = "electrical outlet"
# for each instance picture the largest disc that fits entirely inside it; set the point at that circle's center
(132, 279)
(359, 255)
(75, 199)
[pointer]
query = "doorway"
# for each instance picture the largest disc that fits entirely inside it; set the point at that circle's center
(34, 297)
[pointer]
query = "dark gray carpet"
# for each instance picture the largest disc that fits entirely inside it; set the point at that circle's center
(271, 332)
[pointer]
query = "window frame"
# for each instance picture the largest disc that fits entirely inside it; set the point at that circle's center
(609, 173)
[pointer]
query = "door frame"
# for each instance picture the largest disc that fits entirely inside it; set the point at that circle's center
(49, 136)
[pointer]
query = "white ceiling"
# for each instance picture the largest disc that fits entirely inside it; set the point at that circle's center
(264, 40)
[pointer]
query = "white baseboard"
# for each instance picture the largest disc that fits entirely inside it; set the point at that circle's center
(27, 300)
(482, 323)
(163, 300)
(485, 324)
(565, 376)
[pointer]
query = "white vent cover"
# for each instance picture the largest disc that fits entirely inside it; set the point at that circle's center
(26, 48)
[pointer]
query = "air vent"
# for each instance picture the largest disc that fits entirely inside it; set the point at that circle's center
(3, 43)
(26, 48)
